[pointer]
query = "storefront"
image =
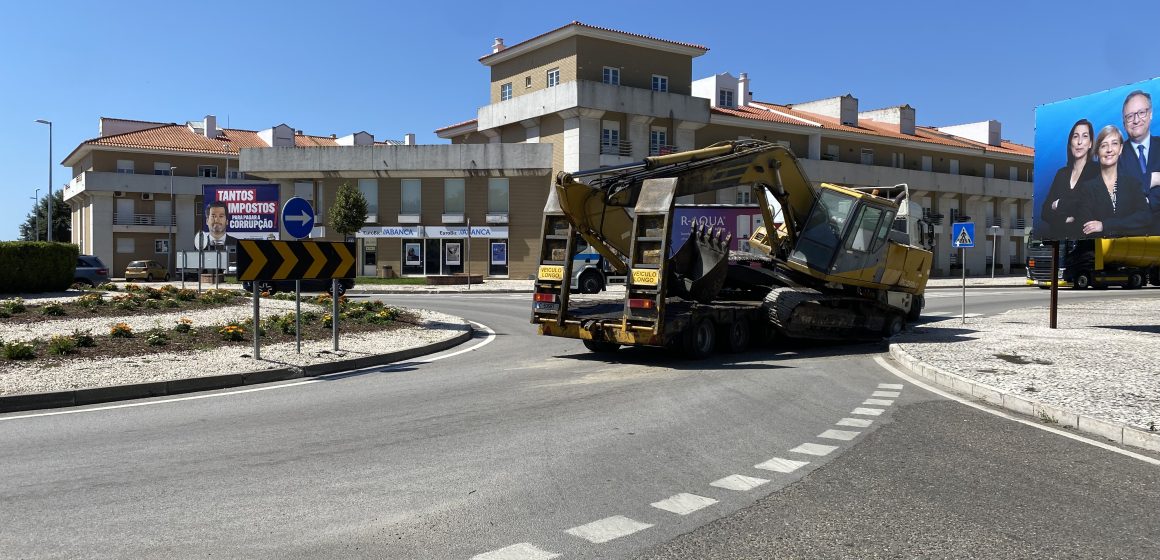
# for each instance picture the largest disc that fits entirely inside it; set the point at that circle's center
(440, 250)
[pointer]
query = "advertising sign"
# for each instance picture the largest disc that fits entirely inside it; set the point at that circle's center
(453, 253)
(240, 212)
(414, 253)
(498, 252)
(740, 221)
(1097, 165)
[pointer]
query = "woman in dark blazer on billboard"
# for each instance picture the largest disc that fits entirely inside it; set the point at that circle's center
(1060, 208)
(1115, 204)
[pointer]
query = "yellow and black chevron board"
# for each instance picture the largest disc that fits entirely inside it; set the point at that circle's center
(260, 259)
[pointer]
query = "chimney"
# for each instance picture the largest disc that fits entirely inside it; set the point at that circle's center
(497, 45)
(985, 132)
(298, 132)
(844, 108)
(332, 135)
(903, 116)
(409, 139)
(743, 95)
(211, 129)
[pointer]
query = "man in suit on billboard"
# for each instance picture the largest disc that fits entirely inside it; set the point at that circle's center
(1141, 156)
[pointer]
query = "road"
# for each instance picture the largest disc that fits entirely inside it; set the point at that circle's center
(529, 446)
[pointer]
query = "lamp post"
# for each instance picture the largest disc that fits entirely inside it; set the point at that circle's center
(36, 213)
(994, 247)
(49, 123)
(172, 212)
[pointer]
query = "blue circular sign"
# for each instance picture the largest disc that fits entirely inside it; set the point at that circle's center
(298, 217)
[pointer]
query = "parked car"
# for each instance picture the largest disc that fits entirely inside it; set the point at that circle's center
(146, 270)
(276, 286)
(91, 271)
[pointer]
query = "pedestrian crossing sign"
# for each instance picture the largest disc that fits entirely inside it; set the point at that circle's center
(963, 235)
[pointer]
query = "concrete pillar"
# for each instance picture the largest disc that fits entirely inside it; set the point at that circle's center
(638, 135)
(102, 221)
(686, 134)
(815, 146)
(531, 130)
(186, 227)
(492, 135)
(581, 138)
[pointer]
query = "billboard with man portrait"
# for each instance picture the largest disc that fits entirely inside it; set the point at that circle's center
(240, 212)
(1097, 165)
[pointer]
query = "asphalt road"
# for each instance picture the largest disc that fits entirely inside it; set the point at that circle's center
(528, 446)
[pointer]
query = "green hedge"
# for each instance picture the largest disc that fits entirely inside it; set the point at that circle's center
(36, 266)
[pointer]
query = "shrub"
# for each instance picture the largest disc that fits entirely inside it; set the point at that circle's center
(170, 303)
(168, 289)
(14, 306)
(284, 323)
(218, 296)
(186, 294)
(53, 309)
(36, 266)
(184, 325)
(232, 332)
(84, 339)
(327, 321)
(152, 304)
(383, 316)
(309, 316)
(62, 344)
(152, 293)
(121, 330)
(109, 287)
(19, 351)
(4, 314)
(157, 337)
(91, 301)
(132, 288)
(79, 286)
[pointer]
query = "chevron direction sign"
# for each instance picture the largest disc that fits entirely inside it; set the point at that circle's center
(259, 259)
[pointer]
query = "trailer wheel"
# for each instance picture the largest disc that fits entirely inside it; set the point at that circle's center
(700, 339)
(1082, 281)
(1135, 280)
(916, 305)
(590, 283)
(738, 335)
(893, 325)
(600, 346)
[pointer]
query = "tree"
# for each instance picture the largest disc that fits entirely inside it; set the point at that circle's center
(38, 218)
(348, 214)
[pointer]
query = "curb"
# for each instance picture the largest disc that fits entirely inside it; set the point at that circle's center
(440, 291)
(96, 395)
(1118, 433)
(971, 286)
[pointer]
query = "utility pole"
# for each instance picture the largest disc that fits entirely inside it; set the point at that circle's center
(49, 123)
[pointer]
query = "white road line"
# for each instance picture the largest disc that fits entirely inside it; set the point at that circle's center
(887, 394)
(886, 365)
(738, 482)
(878, 402)
(607, 529)
(318, 379)
(855, 422)
(683, 504)
(868, 411)
(780, 465)
(814, 449)
(890, 386)
(935, 313)
(522, 551)
(844, 435)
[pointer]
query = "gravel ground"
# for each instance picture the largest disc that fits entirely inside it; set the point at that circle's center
(17, 378)
(1093, 364)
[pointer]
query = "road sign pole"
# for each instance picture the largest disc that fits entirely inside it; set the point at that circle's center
(334, 315)
(963, 264)
(1054, 284)
(257, 344)
(467, 253)
(298, 314)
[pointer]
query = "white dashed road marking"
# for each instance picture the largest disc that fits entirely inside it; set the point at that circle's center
(855, 422)
(890, 386)
(684, 504)
(887, 394)
(607, 529)
(878, 402)
(814, 449)
(740, 483)
(522, 551)
(843, 435)
(780, 465)
(868, 411)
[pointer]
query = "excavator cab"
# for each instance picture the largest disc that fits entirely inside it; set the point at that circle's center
(845, 235)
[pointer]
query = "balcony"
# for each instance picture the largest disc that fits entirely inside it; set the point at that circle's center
(132, 184)
(994, 222)
(622, 148)
(121, 219)
(594, 95)
(859, 175)
(662, 149)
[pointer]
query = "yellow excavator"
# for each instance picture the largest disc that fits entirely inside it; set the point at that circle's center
(839, 264)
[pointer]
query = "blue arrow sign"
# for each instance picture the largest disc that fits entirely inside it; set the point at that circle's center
(963, 235)
(298, 217)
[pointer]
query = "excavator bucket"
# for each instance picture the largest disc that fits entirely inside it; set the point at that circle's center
(701, 265)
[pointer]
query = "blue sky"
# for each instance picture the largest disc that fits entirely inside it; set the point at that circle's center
(391, 67)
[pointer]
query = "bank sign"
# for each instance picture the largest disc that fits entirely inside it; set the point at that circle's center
(251, 210)
(433, 232)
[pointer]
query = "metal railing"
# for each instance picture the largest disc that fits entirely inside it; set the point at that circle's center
(662, 149)
(121, 219)
(621, 148)
(994, 222)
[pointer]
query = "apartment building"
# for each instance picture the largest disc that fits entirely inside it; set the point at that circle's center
(604, 97)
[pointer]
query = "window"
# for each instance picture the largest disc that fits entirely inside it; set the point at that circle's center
(867, 156)
(725, 98)
(989, 170)
(207, 171)
(505, 92)
(553, 77)
(370, 191)
(454, 198)
(897, 160)
(927, 163)
(161, 246)
(612, 75)
(1013, 173)
(660, 83)
(658, 142)
(527, 81)
(831, 152)
(126, 245)
(497, 196)
(125, 166)
(610, 138)
(744, 196)
(954, 167)
(161, 168)
(865, 229)
(412, 197)
(235, 174)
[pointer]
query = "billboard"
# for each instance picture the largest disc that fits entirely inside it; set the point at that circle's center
(739, 220)
(1097, 165)
(240, 212)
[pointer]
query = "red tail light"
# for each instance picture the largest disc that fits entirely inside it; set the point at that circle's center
(642, 304)
(103, 271)
(547, 298)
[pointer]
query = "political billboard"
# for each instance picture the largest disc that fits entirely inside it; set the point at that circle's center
(1097, 165)
(240, 212)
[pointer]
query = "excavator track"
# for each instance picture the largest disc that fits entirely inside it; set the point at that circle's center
(806, 313)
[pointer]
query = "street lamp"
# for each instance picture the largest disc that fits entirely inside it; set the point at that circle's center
(49, 123)
(172, 213)
(994, 246)
(36, 213)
